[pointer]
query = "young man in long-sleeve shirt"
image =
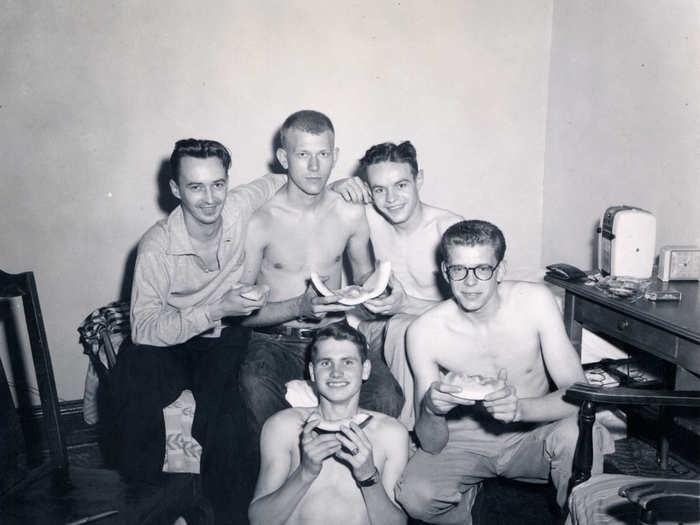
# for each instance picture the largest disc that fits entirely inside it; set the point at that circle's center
(185, 303)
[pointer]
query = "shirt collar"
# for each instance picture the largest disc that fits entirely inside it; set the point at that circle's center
(179, 240)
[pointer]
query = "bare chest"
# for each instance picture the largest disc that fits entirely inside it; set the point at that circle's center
(300, 245)
(414, 258)
(334, 497)
(515, 348)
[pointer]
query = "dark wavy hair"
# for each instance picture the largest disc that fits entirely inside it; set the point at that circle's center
(389, 152)
(473, 233)
(200, 149)
(306, 120)
(340, 331)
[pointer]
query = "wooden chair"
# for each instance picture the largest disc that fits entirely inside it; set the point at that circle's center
(47, 489)
(667, 498)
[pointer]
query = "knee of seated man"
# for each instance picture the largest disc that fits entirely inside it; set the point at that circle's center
(564, 436)
(252, 377)
(422, 499)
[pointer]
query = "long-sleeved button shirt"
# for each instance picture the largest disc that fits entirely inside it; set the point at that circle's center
(172, 287)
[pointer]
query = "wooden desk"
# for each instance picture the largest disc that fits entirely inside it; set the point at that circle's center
(667, 329)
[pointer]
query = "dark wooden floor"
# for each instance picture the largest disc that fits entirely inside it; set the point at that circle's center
(504, 502)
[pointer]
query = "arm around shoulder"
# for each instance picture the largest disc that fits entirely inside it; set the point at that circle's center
(247, 198)
(358, 247)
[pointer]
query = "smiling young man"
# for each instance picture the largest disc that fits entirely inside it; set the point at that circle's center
(511, 332)
(407, 232)
(185, 299)
(304, 228)
(309, 476)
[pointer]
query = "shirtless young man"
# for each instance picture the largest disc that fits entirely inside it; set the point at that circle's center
(348, 477)
(407, 232)
(509, 331)
(303, 228)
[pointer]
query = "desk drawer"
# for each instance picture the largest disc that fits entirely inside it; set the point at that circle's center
(626, 329)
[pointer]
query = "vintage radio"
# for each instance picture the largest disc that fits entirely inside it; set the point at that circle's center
(626, 246)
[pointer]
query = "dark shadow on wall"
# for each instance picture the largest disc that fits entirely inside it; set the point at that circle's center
(167, 203)
(594, 245)
(128, 275)
(166, 200)
(274, 166)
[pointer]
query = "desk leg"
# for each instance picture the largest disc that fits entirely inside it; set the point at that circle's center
(573, 327)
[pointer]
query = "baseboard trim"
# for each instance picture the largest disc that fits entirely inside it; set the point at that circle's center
(74, 428)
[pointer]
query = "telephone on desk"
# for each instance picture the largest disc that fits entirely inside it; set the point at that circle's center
(566, 272)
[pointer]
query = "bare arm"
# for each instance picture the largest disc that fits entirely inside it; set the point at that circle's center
(381, 505)
(247, 198)
(560, 359)
(379, 498)
(358, 246)
(432, 398)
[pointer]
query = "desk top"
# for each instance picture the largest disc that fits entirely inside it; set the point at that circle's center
(682, 318)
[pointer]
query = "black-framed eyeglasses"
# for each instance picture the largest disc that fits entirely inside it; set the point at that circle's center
(483, 272)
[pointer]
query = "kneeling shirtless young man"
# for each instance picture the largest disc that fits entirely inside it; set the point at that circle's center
(309, 476)
(513, 333)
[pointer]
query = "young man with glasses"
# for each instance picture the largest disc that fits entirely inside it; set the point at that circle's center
(509, 334)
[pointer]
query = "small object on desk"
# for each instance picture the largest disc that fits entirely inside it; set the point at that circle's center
(679, 263)
(94, 517)
(566, 272)
(662, 292)
(628, 288)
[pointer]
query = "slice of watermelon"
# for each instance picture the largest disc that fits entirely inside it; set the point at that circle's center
(353, 294)
(331, 427)
(474, 387)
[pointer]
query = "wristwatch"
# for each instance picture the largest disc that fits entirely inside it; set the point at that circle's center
(372, 480)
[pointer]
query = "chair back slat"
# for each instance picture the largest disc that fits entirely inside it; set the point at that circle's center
(24, 285)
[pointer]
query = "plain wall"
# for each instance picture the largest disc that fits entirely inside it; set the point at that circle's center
(623, 122)
(94, 94)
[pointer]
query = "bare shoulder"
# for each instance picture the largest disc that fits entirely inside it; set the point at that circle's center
(442, 218)
(386, 429)
(434, 317)
(427, 328)
(264, 217)
(349, 211)
(284, 425)
(536, 297)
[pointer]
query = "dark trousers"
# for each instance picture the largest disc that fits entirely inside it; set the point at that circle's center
(272, 360)
(146, 379)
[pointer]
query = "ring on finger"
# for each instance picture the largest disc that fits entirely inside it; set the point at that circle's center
(355, 451)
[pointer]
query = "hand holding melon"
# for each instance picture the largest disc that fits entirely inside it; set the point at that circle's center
(353, 294)
(255, 292)
(474, 387)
